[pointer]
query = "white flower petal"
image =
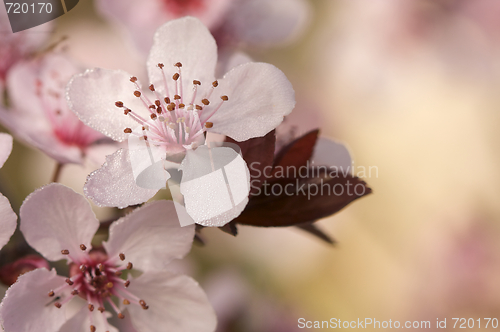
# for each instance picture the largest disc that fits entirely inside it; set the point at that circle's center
(215, 184)
(113, 184)
(8, 221)
(26, 306)
(150, 237)
(176, 303)
(259, 95)
(92, 96)
(267, 23)
(189, 42)
(80, 322)
(5, 147)
(55, 218)
(328, 152)
(228, 59)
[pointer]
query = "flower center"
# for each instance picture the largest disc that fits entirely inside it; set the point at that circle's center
(175, 123)
(97, 279)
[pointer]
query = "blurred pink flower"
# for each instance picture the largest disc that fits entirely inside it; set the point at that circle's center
(38, 113)
(20, 45)
(59, 223)
(7, 217)
(254, 23)
(10, 272)
(183, 101)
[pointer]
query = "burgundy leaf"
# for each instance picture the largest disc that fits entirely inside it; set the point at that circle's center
(298, 152)
(314, 230)
(302, 201)
(258, 153)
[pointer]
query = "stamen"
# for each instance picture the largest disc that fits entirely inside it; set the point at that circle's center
(167, 100)
(83, 247)
(196, 82)
(157, 103)
(199, 108)
(177, 97)
(91, 307)
(58, 305)
(75, 292)
(101, 309)
(127, 130)
(126, 302)
(153, 116)
(137, 93)
(92, 328)
(122, 256)
(152, 87)
(65, 252)
(51, 293)
(83, 268)
(209, 124)
(133, 79)
(127, 283)
(127, 111)
(119, 104)
(215, 84)
(205, 101)
(225, 98)
(176, 76)
(178, 64)
(143, 304)
(69, 282)
(129, 266)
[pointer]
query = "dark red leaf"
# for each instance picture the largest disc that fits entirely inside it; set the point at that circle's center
(298, 152)
(301, 199)
(258, 153)
(314, 230)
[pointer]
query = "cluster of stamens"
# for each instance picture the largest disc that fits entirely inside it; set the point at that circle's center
(174, 120)
(96, 280)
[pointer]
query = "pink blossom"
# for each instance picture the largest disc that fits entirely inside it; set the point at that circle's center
(234, 22)
(183, 101)
(8, 218)
(60, 224)
(20, 45)
(39, 115)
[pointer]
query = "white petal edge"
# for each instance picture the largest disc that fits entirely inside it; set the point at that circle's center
(113, 184)
(55, 218)
(150, 237)
(176, 303)
(329, 152)
(259, 95)
(215, 184)
(26, 306)
(5, 147)
(189, 42)
(8, 221)
(92, 96)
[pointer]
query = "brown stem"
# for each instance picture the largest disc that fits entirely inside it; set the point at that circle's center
(57, 172)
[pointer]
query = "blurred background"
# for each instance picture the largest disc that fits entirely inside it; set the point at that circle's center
(412, 88)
